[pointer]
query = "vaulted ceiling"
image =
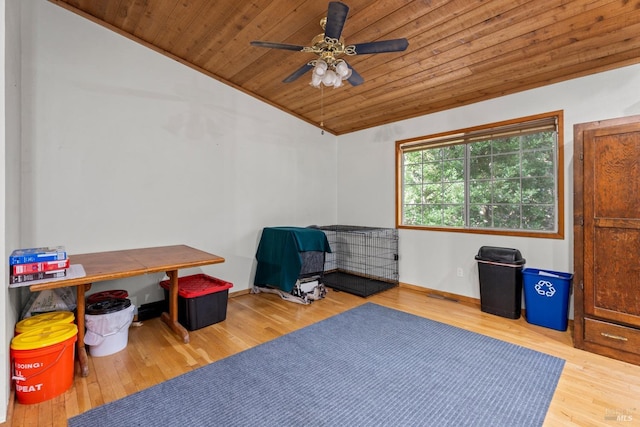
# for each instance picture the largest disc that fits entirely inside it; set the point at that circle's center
(460, 51)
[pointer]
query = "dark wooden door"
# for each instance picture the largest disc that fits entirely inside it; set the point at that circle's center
(607, 236)
(612, 223)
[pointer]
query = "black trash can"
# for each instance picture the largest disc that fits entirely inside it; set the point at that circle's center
(500, 274)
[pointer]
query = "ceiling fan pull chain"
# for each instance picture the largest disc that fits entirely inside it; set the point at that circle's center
(321, 110)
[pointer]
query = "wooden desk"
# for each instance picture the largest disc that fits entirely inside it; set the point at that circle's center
(101, 266)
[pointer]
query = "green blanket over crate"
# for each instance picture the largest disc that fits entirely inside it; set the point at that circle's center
(278, 255)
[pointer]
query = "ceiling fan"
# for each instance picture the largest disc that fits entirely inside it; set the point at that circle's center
(329, 69)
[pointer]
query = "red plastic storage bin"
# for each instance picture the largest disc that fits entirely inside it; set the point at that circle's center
(202, 300)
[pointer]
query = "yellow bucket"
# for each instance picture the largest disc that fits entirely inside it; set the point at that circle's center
(43, 320)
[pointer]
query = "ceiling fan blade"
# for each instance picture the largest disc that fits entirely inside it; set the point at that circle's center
(395, 45)
(272, 45)
(336, 17)
(298, 73)
(355, 79)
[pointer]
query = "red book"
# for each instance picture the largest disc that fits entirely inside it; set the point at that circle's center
(39, 267)
(22, 278)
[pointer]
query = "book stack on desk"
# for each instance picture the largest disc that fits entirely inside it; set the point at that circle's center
(27, 265)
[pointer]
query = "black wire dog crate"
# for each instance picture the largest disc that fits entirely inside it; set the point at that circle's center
(363, 260)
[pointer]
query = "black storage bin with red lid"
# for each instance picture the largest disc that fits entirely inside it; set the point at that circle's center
(202, 300)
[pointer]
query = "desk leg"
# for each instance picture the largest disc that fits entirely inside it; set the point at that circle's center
(171, 318)
(82, 351)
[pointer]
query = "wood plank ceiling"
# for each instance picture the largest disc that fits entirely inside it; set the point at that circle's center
(460, 51)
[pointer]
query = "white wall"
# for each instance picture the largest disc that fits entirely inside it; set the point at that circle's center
(10, 211)
(366, 173)
(125, 148)
(4, 295)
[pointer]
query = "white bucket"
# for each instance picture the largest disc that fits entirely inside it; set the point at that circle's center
(108, 333)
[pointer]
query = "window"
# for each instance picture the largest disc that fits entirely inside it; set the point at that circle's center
(502, 178)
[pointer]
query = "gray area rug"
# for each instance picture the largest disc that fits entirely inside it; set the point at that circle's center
(369, 366)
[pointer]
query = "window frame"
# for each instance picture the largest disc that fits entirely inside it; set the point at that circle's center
(435, 139)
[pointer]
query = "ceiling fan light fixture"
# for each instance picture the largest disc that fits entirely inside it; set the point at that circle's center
(320, 68)
(316, 80)
(329, 72)
(341, 68)
(329, 78)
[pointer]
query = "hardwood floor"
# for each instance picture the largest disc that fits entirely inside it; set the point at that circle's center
(593, 390)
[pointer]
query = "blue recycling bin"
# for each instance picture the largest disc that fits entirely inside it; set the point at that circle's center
(546, 297)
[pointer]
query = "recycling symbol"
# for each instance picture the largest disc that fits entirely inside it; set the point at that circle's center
(545, 288)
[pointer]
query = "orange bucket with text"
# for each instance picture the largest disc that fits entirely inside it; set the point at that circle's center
(42, 362)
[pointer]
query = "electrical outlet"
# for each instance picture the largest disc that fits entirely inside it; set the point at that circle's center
(460, 272)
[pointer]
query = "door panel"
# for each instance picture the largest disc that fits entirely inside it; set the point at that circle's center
(616, 160)
(611, 191)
